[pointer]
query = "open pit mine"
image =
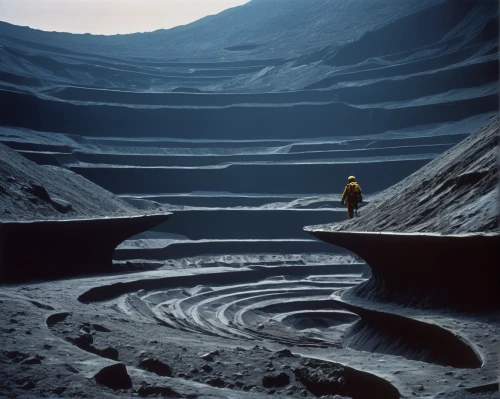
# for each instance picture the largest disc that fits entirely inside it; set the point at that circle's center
(170, 217)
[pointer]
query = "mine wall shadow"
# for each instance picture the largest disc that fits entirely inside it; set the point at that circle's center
(61, 248)
(414, 340)
(426, 270)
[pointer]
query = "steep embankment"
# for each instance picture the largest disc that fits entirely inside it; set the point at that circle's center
(32, 192)
(455, 193)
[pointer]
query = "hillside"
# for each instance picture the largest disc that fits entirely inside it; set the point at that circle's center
(453, 194)
(32, 192)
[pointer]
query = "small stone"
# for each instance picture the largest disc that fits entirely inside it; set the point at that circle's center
(85, 330)
(216, 382)
(28, 385)
(83, 341)
(207, 357)
(194, 371)
(58, 390)
(61, 205)
(421, 388)
(56, 318)
(237, 375)
(206, 368)
(156, 366)
(158, 391)
(108, 352)
(285, 353)
(31, 360)
(275, 380)
(114, 377)
(98, 327)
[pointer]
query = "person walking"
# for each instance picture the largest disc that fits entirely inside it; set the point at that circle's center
(352, 197)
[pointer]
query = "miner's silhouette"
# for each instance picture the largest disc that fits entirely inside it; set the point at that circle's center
(352, 196)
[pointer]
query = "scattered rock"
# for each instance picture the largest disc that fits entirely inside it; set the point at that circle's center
(98, 327)
(207, 357)
(47, 346)
(40, 305)
(83, 341)
(167, 392)
(28, 385)
(114, 377)
(285, 353)
(15, 356)
(71, 369)
(10, 179)
(58, 390)
(85, 330)
(39, 192)
(321, 381)
(32, 360)
(156, 366)
(108, 352)
(61, 205)
(216, 382)
(275, 380)
(55, 318)
(207, 368)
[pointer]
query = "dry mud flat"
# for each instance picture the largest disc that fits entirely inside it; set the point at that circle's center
(226, 332)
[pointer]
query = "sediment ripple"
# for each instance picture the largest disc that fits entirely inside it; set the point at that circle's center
(288, 309)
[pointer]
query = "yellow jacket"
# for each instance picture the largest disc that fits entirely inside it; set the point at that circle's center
(352, 193)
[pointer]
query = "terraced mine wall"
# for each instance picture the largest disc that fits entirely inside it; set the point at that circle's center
(235, 146)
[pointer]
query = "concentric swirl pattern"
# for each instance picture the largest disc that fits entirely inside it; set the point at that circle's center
(292, 310)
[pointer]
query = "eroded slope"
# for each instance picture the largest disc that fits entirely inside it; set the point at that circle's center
(455, 193)
(29, 191)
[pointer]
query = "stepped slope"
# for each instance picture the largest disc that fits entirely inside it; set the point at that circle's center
(268, 106)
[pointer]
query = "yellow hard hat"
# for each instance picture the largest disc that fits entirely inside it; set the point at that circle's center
(351, 178)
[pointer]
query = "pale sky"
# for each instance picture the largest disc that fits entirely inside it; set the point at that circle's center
(109, 16)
